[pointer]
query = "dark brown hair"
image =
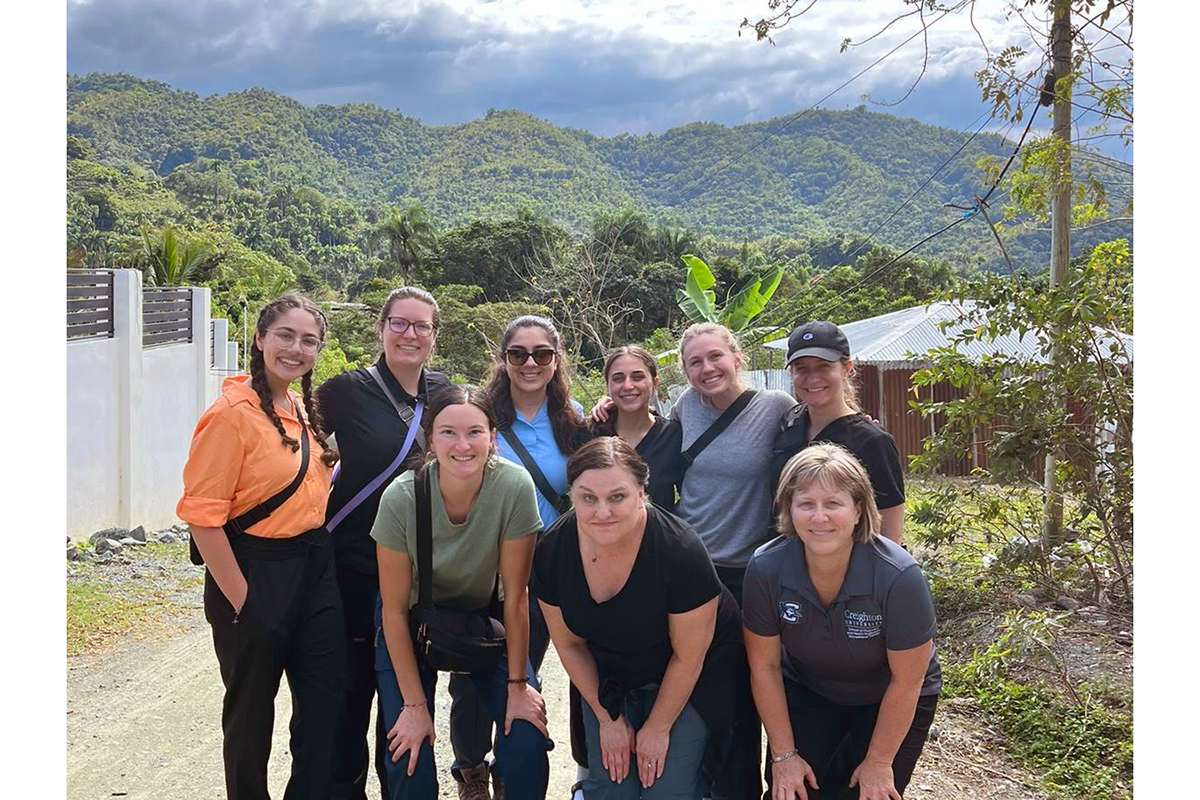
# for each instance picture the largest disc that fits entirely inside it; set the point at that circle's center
(605, 452)
(258, 374)
(564, 420)
(441, 399)
(609, 426)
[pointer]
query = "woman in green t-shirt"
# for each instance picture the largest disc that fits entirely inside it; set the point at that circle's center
(484, 521)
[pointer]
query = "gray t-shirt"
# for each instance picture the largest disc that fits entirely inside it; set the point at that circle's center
(726, 492)
(466, 557)
(840, 650)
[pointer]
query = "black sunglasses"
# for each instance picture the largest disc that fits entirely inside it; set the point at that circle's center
(518, 356)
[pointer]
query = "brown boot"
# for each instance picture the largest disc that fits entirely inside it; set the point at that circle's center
(474, 783)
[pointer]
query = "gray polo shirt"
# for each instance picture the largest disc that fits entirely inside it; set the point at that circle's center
(840, 651)
(726, 492)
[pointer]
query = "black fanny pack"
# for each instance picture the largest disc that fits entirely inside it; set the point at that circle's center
(447, 639)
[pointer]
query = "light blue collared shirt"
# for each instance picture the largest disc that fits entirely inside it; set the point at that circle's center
(538, 438)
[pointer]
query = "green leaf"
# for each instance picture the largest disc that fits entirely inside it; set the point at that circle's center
(697, 300)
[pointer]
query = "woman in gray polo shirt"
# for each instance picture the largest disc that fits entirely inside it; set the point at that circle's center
(855, 619)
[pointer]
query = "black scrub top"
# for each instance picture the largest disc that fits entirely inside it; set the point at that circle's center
(369, 435)
(872, 445)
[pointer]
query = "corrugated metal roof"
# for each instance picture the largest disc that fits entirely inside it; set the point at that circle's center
(888, 339)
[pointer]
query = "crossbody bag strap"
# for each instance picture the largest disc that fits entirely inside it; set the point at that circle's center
(424, 507)
(388, 471)
(717, 427)
(405, 411)
(237, 526)
(560, 503)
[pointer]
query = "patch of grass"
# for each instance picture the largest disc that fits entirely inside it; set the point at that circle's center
(97, 611)
(104, 602)
(1080, 752)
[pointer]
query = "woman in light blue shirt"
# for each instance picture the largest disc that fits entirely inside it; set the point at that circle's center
(530, 390)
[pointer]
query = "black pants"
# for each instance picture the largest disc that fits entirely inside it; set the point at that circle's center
(833, 739)
(726, 784)
(470, 720)
(352, 756)
(291, 623)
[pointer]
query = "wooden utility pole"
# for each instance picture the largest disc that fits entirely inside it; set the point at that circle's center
(1060, 232)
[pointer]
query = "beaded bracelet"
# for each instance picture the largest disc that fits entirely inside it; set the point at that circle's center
(517, 681)
(421, 704)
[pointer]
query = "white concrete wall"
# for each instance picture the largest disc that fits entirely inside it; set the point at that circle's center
(93, 489)
(131, 412)
(163, 431)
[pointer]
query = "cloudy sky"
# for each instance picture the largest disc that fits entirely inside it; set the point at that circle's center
(608, 66)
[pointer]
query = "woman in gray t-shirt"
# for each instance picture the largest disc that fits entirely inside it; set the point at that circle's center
(725, 493)
(484, 520)
(839, 629)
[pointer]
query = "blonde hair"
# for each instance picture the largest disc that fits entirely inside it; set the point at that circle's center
(836, 468)
(702, 328)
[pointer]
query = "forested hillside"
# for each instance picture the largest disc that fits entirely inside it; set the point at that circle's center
(828, 172)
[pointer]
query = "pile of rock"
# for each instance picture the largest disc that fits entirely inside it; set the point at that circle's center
(108, 543)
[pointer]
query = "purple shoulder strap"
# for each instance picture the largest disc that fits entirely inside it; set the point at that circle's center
(367, 490)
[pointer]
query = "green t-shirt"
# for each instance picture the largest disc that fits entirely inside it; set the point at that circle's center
(466, 557)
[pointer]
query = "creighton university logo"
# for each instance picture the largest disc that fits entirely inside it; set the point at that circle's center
(790, 612)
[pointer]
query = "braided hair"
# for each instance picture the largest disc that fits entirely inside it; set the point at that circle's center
(258, 374)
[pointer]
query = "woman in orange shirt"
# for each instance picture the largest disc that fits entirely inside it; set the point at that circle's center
(270, 588)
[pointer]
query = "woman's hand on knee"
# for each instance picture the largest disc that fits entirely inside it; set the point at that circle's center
(617, 744)
(525, 702)
(788, 778)
(652, 744)
(412, 728)
(875, 781)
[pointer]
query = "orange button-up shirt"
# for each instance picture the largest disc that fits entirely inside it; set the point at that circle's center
(237, 460)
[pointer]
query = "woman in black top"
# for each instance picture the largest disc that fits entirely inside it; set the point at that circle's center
(631, 378)
(823, 382)
(369, 433)
(643, 627)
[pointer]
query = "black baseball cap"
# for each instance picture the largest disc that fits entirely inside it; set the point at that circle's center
(820, 339)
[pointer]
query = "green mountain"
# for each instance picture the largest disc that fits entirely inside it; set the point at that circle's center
(825, 173)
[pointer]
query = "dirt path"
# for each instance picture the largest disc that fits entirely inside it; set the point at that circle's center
(143, 721)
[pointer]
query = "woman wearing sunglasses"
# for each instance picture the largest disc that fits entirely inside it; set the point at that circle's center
(531, 392)
(367, 410)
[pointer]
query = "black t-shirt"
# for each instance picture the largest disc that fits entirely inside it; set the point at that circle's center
(873, 446)
(369, 436)
(661, 448)
(628, 634)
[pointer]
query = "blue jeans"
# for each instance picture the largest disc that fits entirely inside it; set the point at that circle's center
(681, 778)
(521, 758)
(470, 721)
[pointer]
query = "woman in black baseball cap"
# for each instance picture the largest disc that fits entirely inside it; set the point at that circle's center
(823, 382)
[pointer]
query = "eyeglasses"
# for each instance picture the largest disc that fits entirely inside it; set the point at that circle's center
(400, 325)
(518, 356)
(286, 337)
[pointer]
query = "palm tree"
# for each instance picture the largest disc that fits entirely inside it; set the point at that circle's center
(169, 259)
(672, 242)
(407, 234)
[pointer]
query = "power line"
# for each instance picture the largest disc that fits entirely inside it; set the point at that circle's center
(921, 188)
(729, 161)
(980, 202)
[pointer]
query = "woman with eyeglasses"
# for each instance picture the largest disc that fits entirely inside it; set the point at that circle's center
(370, 410)
(530, 390)
(270, 587)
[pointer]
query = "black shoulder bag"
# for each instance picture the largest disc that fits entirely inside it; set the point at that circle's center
(561, 502)
(237, 527)
(717, 427)
(447, 639)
